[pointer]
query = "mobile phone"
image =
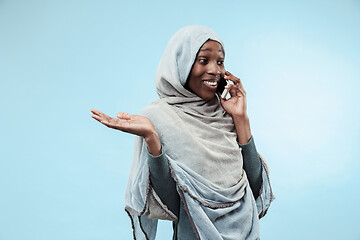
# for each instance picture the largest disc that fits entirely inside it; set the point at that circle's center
(221, 85)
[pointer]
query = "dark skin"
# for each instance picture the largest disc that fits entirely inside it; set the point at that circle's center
(204, 76)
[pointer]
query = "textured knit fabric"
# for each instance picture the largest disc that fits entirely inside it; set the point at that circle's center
(199, 143)
(164, 185)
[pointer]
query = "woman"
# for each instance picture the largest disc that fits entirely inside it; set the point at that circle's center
(195, 161)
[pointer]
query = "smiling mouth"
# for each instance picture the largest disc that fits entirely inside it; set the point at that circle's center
(211, 83)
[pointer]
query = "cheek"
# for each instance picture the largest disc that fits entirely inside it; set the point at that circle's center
(194, 79)
(222, 70)
(197, 76)
(222, 73)
(196, 72)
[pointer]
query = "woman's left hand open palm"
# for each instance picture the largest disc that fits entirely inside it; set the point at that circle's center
(236, 104)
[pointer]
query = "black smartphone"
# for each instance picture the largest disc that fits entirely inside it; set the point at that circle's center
(221, 85)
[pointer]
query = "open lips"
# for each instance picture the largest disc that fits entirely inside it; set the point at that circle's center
(211, 83)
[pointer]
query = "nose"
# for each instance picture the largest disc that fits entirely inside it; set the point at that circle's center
(213, 68)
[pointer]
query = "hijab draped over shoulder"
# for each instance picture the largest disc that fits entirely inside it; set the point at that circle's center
(199, 142)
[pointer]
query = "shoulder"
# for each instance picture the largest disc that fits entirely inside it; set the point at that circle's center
(153, 109)
(161, 114)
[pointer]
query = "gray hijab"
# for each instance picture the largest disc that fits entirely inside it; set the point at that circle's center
(198, 139)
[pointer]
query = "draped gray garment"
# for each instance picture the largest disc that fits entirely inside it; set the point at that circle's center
(199, 142)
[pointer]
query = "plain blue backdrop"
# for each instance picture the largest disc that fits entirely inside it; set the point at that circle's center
(63, 175)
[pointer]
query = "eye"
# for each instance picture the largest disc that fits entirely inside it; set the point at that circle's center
(203, 61)
(220, 62)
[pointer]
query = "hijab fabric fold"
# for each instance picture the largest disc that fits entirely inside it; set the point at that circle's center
(198, 139)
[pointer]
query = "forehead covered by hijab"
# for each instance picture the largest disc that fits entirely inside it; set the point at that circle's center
(178, 58)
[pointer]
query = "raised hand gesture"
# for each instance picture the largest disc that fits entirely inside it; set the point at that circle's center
(134, 124)
(236, 104)
(236, 107)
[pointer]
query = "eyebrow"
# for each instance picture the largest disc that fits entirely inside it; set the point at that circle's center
(207, 49)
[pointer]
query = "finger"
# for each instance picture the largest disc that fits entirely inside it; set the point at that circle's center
(232, 78)
(94, 111)
(222, 100)
(100, 114)
(237, 80)
(241, 85)
(104, 116)
(112, 123)
(226, 93)
(124, 115)
(122, 125)
(234, 93)
(228, 84)
(96, 117)
(230, 75)
(242, 91)
(100, 119)
(108, 123)
(234, 89)
(238, 92)
(104, 121)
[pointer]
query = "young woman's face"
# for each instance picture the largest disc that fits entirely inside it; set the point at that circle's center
(207, 70)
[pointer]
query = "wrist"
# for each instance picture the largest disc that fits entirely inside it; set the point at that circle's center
(242, 126)
(153, 143)
(241, 119)
(151, 136)
(240, 116)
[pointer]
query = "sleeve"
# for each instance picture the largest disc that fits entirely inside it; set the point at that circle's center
(266, 195)
(252, 166)
(258, 175)
(162, 182)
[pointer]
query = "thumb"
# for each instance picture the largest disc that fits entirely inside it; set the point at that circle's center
(221, 99)
(123, 115)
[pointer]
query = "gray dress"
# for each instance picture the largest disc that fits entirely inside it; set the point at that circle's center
(165, 187)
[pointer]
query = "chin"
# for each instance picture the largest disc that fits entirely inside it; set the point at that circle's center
(208, 97)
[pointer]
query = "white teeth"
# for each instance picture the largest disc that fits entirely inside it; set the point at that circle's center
(211, 83)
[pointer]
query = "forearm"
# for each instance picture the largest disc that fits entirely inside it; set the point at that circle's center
(252, 166)
(243, 131)
(162, 182)
(153, 143)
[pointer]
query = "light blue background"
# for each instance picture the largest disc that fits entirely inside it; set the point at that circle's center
(63, 175)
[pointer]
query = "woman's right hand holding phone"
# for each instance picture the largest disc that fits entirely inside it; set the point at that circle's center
(134, 124)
